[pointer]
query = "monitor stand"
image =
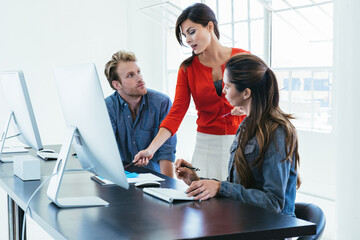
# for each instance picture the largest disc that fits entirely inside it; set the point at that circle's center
(3, 137)
(55, 182)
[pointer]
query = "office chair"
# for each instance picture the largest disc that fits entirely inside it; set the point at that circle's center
(312, 213)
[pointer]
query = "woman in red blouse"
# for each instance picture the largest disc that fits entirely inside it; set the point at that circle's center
(200, 76)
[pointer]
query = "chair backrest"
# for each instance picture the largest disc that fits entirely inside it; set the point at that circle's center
(312, 213)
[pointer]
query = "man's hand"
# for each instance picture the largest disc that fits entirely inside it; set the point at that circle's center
(203, 189)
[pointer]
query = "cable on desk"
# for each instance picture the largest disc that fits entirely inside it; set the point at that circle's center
(38, 188)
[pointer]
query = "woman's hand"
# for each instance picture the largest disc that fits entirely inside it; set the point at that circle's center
(183, 173)
(143, 157)
(203, 189)
(238, 111)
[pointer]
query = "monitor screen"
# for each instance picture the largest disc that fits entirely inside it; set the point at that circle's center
(20, 121)
(84, 108)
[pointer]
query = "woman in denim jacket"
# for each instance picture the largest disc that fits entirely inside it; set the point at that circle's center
(264, 156)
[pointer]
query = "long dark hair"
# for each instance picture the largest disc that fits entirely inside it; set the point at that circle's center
(197, 13)
(249, 71)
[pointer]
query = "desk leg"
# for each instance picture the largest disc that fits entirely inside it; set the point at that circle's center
(15, 217)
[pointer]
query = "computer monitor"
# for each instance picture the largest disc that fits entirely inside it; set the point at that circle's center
(20, 121)
(89, 125)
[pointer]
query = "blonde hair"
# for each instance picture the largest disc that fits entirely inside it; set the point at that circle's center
(110, 66)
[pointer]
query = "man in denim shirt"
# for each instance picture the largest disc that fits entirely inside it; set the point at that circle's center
(136, 113)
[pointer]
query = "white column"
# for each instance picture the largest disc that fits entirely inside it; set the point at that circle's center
(347, 115)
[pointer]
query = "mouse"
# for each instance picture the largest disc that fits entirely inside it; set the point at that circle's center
(147, 184)
(46, 150)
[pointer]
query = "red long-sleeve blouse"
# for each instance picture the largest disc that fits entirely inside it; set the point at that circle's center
(196, 81)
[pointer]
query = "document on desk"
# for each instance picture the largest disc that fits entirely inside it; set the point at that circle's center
(168, 194)
(131, 178)
(144, 177)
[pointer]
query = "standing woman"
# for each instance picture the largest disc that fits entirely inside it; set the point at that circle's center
(264, 156)
(200, 76)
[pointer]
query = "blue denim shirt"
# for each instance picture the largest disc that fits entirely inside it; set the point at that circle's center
(275, 183)
(134, 136)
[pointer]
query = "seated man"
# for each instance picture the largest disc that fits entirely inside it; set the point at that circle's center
(136, 113)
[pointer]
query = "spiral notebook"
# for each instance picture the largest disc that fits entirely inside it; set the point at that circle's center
(168, 194)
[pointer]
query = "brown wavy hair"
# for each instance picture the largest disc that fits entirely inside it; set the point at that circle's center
(110, 66)
(198, 13)
(249, 71)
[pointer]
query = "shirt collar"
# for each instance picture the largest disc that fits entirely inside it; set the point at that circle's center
(122, 101)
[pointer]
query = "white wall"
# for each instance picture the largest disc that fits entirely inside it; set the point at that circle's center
(38, 35)
(317, 163)
(347, 87)
(145, 39)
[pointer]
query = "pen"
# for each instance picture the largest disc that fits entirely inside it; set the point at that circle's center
(192, 168)
(129, 165)
(225, 114)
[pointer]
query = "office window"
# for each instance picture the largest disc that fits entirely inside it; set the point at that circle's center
(294, 37)
(301, 56)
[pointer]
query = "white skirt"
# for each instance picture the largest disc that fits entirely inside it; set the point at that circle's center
(211, 155)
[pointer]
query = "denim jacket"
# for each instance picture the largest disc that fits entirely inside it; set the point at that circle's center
(275, 183)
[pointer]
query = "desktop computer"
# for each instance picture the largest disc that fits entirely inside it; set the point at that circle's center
(20, 121)
(89, 131)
